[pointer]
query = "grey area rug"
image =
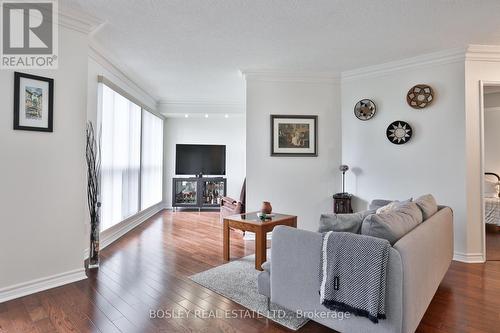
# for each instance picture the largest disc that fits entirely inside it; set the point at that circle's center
(237, 280)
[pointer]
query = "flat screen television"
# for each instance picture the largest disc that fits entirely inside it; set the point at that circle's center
(200, 159)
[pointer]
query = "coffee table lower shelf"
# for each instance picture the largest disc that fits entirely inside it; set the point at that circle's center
(252, 223)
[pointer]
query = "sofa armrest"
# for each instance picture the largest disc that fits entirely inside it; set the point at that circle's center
(426, 254)
(295, 260)
(228, 200)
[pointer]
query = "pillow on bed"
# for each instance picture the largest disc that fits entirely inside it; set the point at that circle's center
(490, 189)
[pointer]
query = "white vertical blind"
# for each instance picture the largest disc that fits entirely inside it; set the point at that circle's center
(120, 157)
(152, 160)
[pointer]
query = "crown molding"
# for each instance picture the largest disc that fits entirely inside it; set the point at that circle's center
(102, 57)
(79, 21)
(200, 107)
(201, 102)
(441, 57)
(488, 53)
(282, 76)
(210, 115)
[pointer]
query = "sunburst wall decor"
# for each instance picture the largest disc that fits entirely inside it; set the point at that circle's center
(399, 132)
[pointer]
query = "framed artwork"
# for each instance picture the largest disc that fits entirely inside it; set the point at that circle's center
(33, 102)
(294, 135)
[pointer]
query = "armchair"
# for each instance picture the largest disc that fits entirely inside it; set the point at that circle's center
(230, 206)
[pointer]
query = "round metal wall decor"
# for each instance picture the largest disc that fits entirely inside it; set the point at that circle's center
(365, 109)
(399, 132)
(420, 96)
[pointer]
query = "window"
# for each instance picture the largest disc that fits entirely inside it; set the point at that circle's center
(120, 157)
(152, 160)
(131, 156)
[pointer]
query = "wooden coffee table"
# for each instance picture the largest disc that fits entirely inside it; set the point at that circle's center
(251, 222)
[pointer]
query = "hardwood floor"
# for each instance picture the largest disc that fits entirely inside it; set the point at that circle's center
(148, 269)
(492, 242)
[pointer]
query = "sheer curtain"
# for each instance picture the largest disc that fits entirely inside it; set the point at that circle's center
(152, 160)
(120, 157)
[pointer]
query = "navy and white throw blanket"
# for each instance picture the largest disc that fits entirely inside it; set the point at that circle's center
(353, 274)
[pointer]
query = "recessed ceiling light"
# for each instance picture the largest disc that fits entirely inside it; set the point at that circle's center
(206, 115)
(226, 116)
(186, 116)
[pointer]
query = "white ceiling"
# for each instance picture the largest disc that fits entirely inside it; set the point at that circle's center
(193, 50)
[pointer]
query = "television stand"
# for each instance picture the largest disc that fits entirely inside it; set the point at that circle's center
(198, 192)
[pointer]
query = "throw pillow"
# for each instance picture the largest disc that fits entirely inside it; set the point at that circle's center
(343, 222)
(387, 208)
(379, 203)
(490, 189)
(427, 203)
(394, 224)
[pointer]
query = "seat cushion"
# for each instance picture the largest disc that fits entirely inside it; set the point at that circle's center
(266, 266)
(394, 224)
(427, 204)
(264, 283)
(343, 222)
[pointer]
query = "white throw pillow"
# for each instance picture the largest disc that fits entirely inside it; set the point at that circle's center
(388, 208)
(491, 189)
(391, 206)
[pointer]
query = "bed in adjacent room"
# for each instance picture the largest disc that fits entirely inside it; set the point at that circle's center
(492, 198)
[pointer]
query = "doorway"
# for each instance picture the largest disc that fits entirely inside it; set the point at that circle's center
(491, 166)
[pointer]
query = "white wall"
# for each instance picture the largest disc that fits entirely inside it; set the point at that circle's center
(492, 133)
(42, 176)
(432, 162)
(216, 130)
(302, 186)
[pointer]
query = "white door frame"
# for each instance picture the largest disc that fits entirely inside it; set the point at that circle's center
(482, 84)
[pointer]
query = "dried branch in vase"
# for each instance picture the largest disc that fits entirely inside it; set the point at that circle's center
(93, 153)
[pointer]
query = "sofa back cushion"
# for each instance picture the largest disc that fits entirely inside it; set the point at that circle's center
(394, 224)
(392, 206)
(427, 203)
(343, 222)
(379, 203)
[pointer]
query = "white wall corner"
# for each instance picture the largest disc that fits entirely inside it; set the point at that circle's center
(441, 57)
(282, 76)
(488, 53)
(41, 284)
(470, 258)
(114, 233)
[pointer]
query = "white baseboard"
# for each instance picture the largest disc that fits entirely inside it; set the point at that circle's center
(112, 234)
(471, 258)
(37, 285)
